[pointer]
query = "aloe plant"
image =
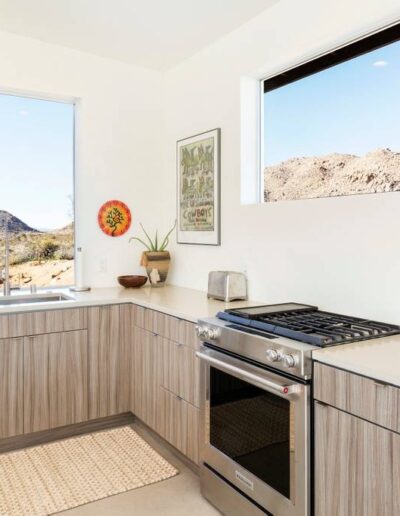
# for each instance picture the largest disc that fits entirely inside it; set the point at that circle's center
(153, 245)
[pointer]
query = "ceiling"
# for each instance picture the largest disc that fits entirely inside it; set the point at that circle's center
(152, 33)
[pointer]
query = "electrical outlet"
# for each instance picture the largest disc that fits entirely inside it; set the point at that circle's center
(102, 264)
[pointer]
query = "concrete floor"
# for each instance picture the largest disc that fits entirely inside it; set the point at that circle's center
(177, 496)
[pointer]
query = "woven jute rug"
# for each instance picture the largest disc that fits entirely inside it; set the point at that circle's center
(58, 476)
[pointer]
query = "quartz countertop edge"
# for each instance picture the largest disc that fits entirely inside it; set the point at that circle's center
(376, 358)
(181, 302)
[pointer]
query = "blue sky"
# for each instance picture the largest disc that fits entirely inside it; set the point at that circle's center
(36, 160)
(352, 108)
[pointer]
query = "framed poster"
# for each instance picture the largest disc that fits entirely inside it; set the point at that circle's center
(199, 197)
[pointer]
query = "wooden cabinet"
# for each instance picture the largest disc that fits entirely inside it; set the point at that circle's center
(110, 360)
(55, 380)
(369, 399)
(146, 384)
(166, 386)
(76, 364)
(47, 321)
(172, 328)
(180, 372)
(11, 387)
(178, 423)
(357, 466)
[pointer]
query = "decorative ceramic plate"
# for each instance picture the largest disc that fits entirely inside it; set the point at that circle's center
(114, 218)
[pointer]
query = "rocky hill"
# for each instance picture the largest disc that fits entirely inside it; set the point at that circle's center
(333, 175)
(15, 225)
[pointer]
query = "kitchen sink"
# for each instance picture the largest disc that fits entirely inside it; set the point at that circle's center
(33, 299)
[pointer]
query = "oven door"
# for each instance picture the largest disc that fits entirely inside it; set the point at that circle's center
(254, 431)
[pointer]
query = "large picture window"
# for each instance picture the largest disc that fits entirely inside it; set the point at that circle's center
(331, 126)
(36, 191)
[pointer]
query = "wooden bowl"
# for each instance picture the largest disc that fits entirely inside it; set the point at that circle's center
(132, 281)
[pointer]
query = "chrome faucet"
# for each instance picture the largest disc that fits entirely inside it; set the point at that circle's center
(6, 274)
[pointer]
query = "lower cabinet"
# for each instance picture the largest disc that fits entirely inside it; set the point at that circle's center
(114, 365)
(357, 466)
(11, 387)
(110, 360)
(180, 371)
(145, 387)
(178, 423)
(164, 389)
(55, 380)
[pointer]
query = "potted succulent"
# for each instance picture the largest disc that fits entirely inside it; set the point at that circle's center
(156, 259)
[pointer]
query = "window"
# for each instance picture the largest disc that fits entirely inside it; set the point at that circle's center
(36, 191)
(330, 126)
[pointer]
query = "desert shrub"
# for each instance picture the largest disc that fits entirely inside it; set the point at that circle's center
(47, 248)
(22, 256)
(64, 253)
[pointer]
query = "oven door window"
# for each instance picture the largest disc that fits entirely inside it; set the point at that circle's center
(252, 427)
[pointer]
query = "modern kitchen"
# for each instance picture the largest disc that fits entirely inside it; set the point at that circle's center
(199, 257)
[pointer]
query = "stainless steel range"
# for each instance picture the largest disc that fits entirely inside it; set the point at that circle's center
(255, 420)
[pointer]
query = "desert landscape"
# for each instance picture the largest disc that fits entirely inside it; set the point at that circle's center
(41, 258)
(333, 175)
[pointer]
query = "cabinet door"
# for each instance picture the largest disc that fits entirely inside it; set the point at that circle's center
(55, 380)
(357, 466)
(180, 371)
(146, 376)
(178, 423)
(110, 347)
(11, 387)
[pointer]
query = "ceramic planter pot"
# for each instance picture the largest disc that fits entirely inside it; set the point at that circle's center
(157, 266)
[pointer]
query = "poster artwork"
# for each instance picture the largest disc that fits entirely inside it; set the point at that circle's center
(197, 210)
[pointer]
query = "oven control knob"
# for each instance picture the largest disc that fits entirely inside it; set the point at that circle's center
(211, 333)
(201, 331)
(289, 360)
(273, 355)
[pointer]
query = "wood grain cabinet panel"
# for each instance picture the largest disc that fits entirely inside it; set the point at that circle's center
(357, 466)
(188, 335)
(145, 387)
(55, 380)
(361, 396)
(180, 372)
(178, 423)
(110, 347)
(139, 316)
(172, 328)
(47, 321)
(11, 387)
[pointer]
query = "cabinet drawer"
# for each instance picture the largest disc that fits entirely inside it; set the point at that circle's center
(178, 423)
(358, 395)
(172, 328)
(47, 321)
(180, 371)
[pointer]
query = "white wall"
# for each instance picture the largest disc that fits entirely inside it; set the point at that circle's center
(119, 138)
(340, 253)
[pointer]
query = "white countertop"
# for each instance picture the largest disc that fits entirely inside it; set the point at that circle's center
(184, 303)
(377, 358)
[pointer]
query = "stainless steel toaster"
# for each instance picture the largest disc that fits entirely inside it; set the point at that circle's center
(227, 285)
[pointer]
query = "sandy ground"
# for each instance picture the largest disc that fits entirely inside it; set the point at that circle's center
(52, 272)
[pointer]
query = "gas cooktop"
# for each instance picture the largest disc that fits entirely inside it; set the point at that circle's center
(305, 323)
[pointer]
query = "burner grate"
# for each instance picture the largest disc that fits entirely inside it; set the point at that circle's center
(311, 325)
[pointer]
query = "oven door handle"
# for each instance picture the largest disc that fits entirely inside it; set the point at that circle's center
(287, 389)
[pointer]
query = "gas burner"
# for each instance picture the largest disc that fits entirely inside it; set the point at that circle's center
(307, 324)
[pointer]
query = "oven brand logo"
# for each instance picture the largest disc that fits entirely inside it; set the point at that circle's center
(248, 483)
